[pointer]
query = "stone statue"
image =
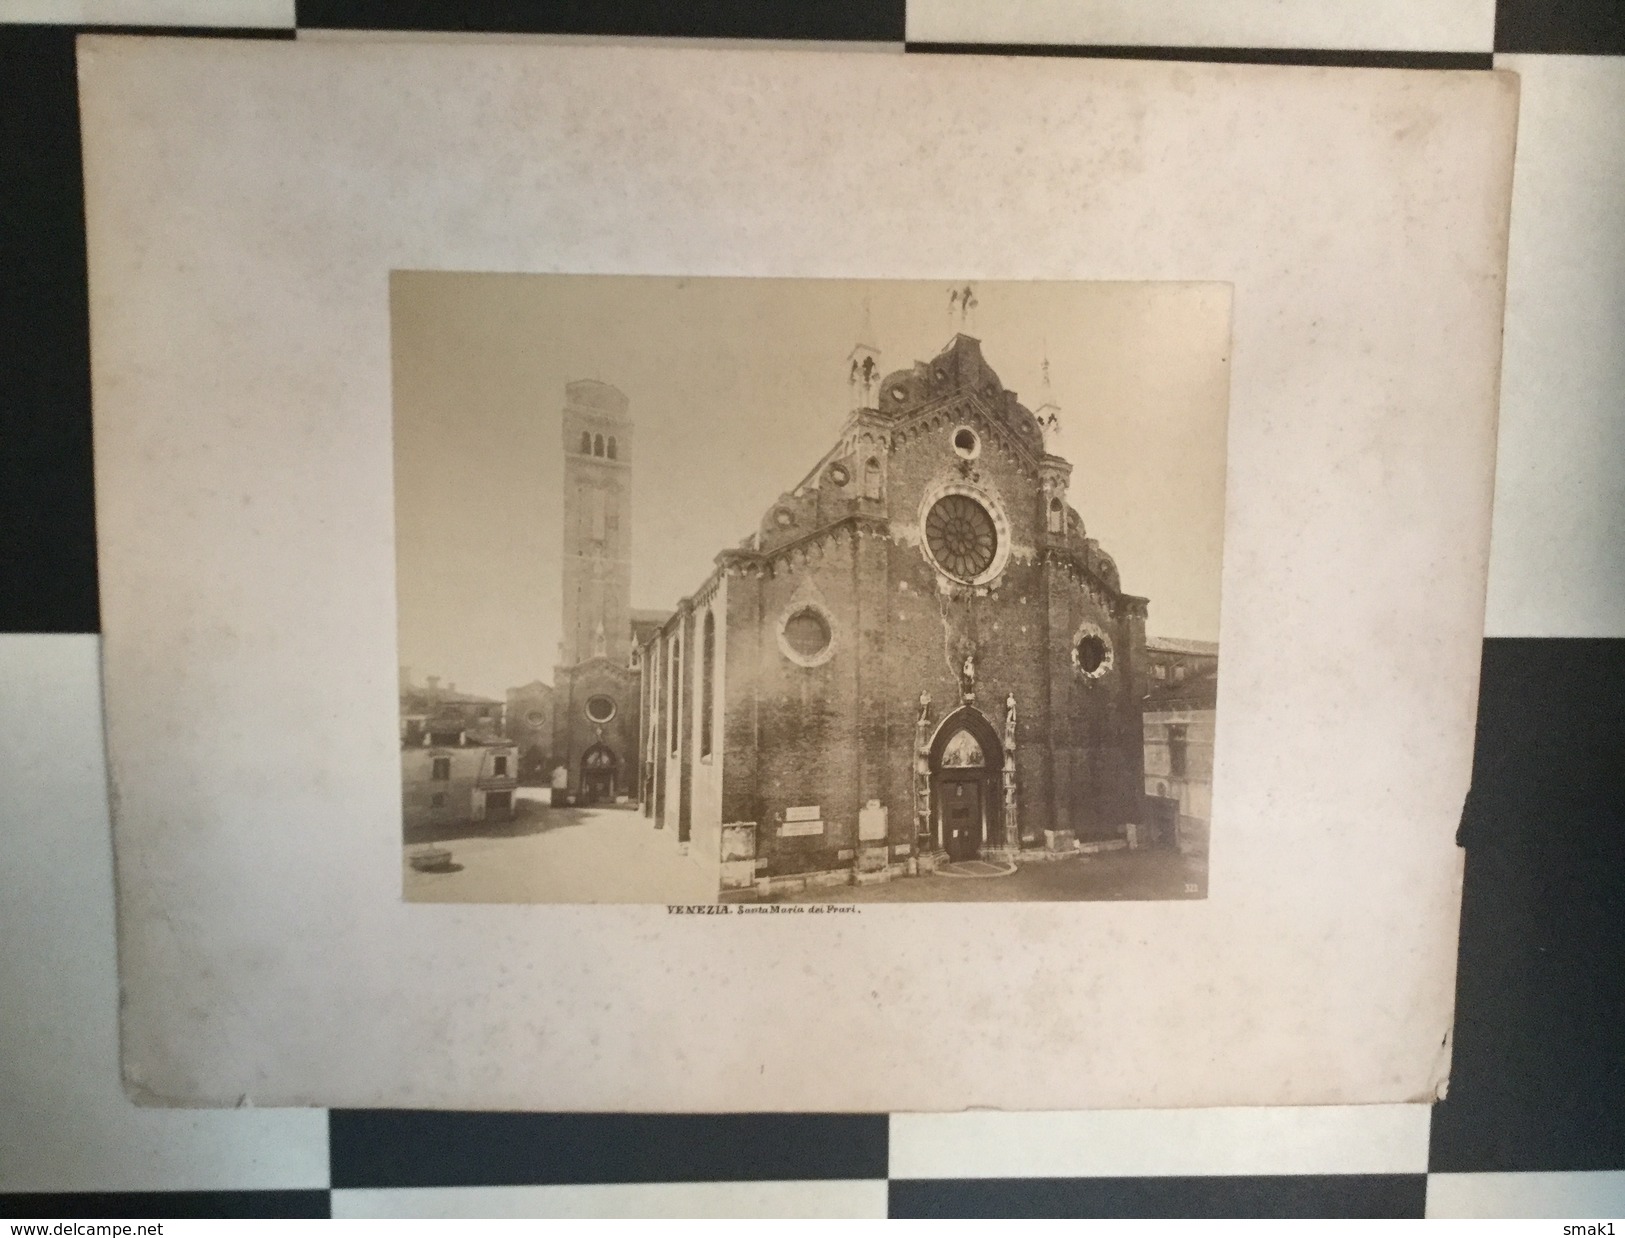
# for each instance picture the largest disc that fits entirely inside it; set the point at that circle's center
(967, 677)
(1009, 721)
(925, 709)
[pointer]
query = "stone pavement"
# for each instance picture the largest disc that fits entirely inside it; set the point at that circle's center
(1119, 875)
(562, 855)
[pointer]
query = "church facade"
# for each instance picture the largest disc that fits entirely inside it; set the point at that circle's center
(919, 657)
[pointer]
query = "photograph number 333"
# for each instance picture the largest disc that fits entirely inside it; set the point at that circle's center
(752, 590)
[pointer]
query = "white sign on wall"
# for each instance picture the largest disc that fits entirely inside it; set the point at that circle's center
(808, 812)
(872, 821)
(791, 828)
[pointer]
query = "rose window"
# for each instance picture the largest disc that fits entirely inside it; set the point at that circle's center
(961, 536)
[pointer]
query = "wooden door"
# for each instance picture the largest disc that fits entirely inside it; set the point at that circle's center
(962, 818)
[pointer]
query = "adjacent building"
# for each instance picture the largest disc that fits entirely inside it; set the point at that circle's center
(1181, 698)
(456, 766)
(443, 712)
(530, 726)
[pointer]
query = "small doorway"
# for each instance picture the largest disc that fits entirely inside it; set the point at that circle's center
(961, 817)
(1164, 820)
(498, 805)
(967, 763)
(597, 775)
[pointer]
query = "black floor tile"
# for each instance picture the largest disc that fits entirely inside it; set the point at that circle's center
(1344, 57)
(379, 1148)
(47, 513)
(1538, 1077)
(163, 1205)
(862, 20)
(1307, 1195)
(1574, 27)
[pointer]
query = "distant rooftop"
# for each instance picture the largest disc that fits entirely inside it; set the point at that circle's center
(1176, 644)
(443, 694)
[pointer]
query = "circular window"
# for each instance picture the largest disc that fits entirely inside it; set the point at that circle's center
(966, 443)
(535, 717)
(806, 636)
(600, 709)
(899, 394)
(1091, 652)
(784, 518)
(961, 536)
(839, 475)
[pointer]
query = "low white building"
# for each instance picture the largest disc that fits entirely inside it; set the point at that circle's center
(1179, 717)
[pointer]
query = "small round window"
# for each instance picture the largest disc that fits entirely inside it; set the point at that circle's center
(806, 637)
(1091, 652)
(839, 474)
(535, 717)
(899, 394)
(966, 444)
(600, 709)
(784, 518)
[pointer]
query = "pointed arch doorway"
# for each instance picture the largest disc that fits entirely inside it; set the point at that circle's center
(598, 765)
(966, 762)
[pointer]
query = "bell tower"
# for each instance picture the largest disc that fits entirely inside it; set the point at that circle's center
(597, 524)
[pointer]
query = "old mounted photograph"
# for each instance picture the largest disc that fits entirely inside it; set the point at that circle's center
(781, 591)
(527, 504)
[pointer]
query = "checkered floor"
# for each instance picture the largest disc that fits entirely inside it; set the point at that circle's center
(1535, 1121)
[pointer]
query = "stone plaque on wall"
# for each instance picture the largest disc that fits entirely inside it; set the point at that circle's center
(872, 821)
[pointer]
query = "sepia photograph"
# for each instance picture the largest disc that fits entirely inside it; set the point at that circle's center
(759, 591)
(574, 530)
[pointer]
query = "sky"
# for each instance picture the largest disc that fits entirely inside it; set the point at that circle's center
(737, 387)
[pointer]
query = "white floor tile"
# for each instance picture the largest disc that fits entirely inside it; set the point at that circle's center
(1408, 25)
(666, 1200)
(1556, 567)
(235, 14)
(1161, 1142)
(1575, 1197)
(65, 1122)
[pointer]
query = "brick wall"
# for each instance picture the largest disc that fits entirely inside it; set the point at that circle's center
(574, 732)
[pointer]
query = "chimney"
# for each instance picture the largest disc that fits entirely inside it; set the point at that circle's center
(434, 684)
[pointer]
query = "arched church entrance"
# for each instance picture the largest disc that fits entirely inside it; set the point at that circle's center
(598, 765)
(967, 762)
